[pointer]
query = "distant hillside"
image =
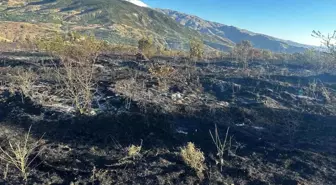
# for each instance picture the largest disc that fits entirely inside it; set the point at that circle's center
(117, 21)
(233, 34)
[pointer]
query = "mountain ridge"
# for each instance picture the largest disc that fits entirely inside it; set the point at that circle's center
(235, 34)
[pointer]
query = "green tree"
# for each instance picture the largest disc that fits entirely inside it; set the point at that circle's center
(309, 55)
(146, 46)
(196, 49)
(242, 52)
(267, 55)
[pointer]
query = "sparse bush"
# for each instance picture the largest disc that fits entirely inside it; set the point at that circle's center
(194, 158)
(22, 154)
(221, 146)
(162, 73)
(196, 49)
(78, 56)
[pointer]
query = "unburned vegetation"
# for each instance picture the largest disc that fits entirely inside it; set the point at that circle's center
(76, 110)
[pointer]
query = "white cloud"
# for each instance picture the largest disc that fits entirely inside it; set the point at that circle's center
(138, 3)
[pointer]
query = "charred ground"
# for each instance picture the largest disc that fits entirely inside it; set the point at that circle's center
(281, 117)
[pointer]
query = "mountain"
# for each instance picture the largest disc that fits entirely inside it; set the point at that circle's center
(125, 21)
(234, 34)
(117, 21)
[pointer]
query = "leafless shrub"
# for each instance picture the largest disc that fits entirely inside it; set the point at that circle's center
(24, 81)
(329, 42)
(78, 56)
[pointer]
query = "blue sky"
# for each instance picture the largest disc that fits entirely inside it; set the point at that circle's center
(287, 19)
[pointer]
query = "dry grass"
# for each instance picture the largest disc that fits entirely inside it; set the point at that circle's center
(317, 86)
(21, 154)
(15, 3)
(194, 158)
(5, 172)
(134, 150)
(20, 31)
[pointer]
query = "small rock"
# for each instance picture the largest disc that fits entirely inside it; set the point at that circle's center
(176, 96)
(225, 104)
(179, 102)
(193, 96)
(258, 128)
(182, 132)
(93, 113)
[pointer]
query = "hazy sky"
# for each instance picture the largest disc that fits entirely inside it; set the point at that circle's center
(287, 19)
